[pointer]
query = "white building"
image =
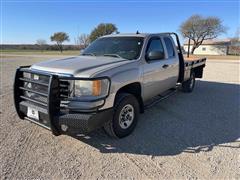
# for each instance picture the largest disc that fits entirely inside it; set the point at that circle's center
(210, 47)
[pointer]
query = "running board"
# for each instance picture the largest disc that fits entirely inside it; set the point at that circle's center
(159, 98)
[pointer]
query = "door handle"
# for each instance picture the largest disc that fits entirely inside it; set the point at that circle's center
(165, 66)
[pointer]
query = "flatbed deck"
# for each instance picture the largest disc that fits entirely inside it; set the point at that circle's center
(194, 61)
(195, 64)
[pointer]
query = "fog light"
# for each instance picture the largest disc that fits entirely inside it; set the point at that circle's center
(64, 127)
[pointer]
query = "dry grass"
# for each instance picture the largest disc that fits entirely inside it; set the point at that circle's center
(215, 57)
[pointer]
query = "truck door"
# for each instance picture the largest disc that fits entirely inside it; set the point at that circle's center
(160, 74)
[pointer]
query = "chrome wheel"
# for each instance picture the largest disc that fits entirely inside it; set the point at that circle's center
(126, 116)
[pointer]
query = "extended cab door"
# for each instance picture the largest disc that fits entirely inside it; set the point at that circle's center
(160, 75)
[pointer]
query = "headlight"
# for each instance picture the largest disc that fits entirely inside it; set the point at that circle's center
(91, 88)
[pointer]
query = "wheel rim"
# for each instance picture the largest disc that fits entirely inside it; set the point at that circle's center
(126, 116)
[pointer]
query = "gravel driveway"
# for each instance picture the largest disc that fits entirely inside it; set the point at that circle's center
(186, 136)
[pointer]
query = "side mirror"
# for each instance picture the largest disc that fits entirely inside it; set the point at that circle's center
(154, 55)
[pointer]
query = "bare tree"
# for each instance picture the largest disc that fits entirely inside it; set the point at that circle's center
(41, 43)
(234, 48)
(82, 40)
(198, 29)
(236, 38)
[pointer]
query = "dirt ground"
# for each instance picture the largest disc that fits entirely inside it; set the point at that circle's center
(186, 136)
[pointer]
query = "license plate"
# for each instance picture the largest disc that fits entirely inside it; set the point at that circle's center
(33, 113)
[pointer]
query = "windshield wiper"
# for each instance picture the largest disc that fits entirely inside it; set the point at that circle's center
(88, 54)
(113, 55)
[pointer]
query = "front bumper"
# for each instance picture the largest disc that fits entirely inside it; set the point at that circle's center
(72, 123)
(50, 113)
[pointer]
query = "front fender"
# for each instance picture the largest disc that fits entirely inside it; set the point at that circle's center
(120, 77)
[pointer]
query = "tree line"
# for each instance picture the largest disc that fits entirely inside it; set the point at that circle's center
(44, 47)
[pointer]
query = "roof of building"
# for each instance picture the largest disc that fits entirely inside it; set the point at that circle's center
(212, 42)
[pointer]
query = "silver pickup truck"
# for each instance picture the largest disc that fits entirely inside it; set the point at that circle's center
(108, 85)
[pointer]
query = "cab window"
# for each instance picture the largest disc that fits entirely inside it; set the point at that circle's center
(169, 46)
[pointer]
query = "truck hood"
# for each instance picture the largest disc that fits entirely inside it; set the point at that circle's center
(79, 66)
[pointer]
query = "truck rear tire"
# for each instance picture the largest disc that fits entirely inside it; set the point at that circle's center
(126, 112)
(188, 85)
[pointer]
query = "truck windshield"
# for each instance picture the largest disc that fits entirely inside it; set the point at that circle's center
(119, 47)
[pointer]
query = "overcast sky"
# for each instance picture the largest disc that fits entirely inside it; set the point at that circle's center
(26, 21)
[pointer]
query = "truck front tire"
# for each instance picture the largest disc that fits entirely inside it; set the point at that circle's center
(188, 85)
(126, 112)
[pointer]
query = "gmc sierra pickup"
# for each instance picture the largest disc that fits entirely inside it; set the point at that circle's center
(108, 85)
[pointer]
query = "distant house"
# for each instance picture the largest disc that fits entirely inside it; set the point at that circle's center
(210, 47)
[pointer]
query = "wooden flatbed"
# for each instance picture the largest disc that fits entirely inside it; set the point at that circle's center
(195, 64)
(194, 61)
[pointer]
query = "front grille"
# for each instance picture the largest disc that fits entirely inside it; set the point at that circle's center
(34, 88)
(64, 88)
